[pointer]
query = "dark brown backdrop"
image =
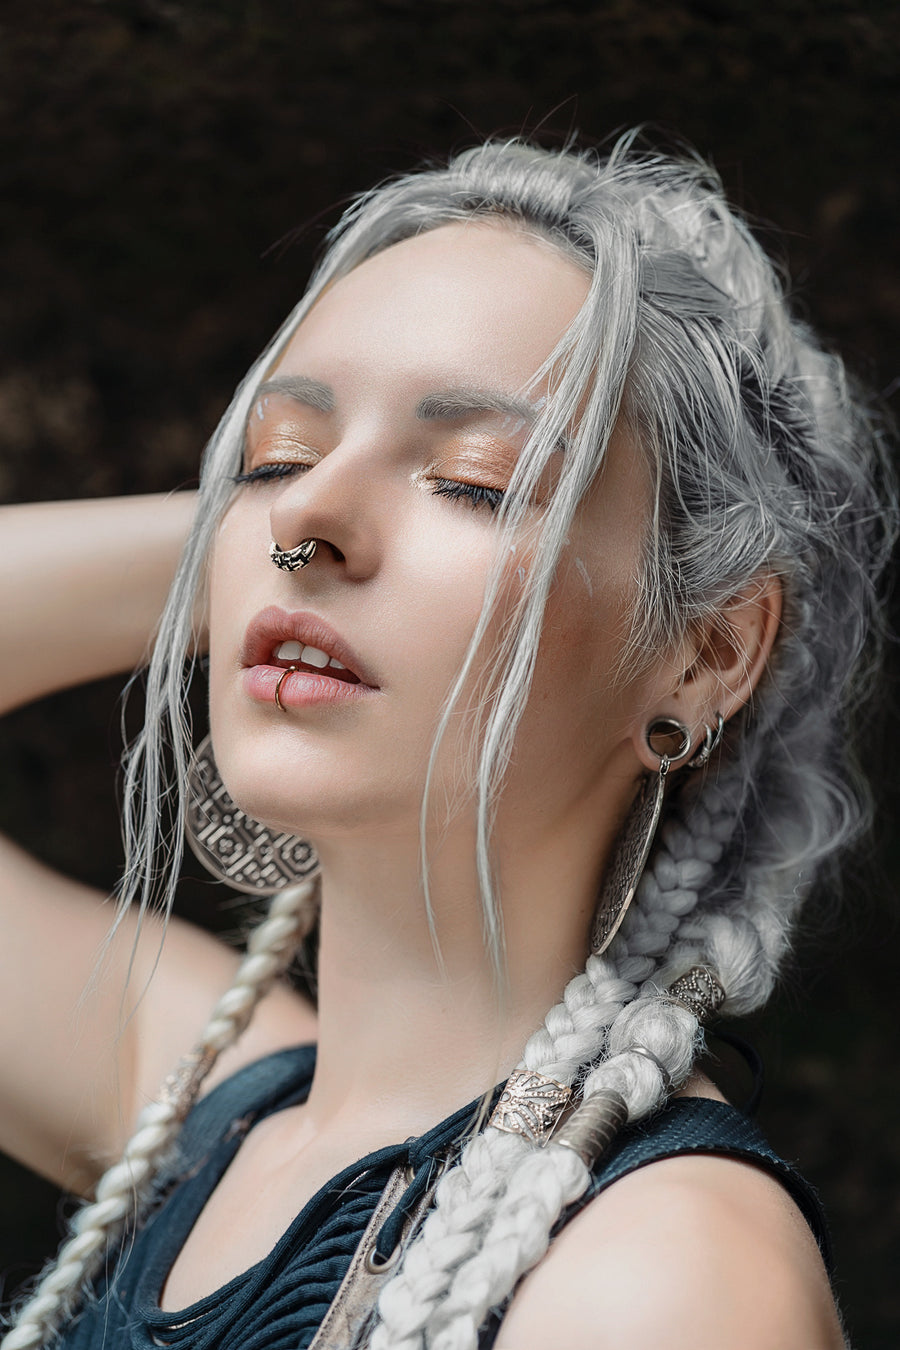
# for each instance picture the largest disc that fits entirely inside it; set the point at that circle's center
(157, 155)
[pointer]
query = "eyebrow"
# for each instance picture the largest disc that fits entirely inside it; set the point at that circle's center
(448, 405)
(313, 393)
(456, 403)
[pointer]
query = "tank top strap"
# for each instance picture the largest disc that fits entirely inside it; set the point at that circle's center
(279, 1079)
(685, 1126)
(697, 1125)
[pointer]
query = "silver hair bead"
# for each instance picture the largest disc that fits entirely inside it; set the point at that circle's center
(531, 1105)
(700, 991)
(181, 1086)
(590, 1130)
(654, 1060)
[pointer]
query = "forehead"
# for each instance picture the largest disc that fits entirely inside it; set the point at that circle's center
(478, 301)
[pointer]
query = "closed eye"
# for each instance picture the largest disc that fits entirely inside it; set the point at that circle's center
(266, 473)
(474, 493)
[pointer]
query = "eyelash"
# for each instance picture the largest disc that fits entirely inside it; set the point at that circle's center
(474, 493)
(265, 473)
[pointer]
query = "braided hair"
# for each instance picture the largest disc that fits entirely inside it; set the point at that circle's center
(123, 1188)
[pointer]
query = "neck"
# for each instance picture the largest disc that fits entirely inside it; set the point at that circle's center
(409, 1031)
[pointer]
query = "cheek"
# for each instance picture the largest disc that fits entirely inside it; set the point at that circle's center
(236, 579)
(580, 682)
(430, 595)
(224, 585)
(240, 544)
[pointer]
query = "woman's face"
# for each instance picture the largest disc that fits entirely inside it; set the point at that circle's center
(386, 432)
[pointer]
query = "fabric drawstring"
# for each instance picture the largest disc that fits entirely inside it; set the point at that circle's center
(426, 1158)
(391, 1232)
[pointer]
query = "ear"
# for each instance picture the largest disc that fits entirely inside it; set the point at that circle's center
(720, 665)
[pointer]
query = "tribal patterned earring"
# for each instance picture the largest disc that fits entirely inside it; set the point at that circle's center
(633, 845)
(233, 847)
(532, 1104)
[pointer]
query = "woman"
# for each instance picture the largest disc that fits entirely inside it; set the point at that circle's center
(538, 500)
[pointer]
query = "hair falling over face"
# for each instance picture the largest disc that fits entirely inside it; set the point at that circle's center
(765, 462)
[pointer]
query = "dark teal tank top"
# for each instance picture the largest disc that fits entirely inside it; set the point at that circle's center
(278, 1303)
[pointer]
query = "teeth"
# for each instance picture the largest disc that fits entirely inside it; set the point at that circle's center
(311, 656)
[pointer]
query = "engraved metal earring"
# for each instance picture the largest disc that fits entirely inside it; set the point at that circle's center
(531, 1103)
(632, 847)
(236, 849)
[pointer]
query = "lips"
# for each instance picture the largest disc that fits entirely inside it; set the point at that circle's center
(274, 630)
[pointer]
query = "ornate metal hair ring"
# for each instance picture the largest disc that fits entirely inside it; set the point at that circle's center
(531, 1105)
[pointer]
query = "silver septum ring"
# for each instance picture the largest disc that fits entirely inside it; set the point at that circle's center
(281, 679)
(292, 559)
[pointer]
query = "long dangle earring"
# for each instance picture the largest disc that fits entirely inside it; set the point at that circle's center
(625, 867)
(531, 1103)
(236, 849)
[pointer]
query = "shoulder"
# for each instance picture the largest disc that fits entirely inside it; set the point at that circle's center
(697, 1251)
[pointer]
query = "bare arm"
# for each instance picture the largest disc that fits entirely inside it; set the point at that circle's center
(82, 586)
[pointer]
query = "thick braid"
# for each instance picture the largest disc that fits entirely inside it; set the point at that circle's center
(548, 1179)
(124, 1186)
(573, 1034)
(465, 1200)
(466, 1197)
(441, 1275)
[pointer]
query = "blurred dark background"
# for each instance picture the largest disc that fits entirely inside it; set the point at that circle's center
(157, 161)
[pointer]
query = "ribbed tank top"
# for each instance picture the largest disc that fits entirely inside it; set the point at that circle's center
(279, 1302)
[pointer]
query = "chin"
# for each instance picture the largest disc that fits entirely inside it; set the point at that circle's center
(310, 800)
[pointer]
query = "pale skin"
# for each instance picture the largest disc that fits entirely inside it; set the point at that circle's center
(399, 575)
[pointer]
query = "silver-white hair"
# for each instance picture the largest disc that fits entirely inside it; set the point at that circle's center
(764, 463)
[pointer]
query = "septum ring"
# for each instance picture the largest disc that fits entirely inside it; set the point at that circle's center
(281, 679)
(292, 559)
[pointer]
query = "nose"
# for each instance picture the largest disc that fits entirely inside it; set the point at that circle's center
(336, 503)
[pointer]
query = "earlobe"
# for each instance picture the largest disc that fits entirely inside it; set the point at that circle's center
(681, 745)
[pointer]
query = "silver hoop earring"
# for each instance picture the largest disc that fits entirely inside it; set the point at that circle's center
(292, 559)
(711, 742)
(668, 729)
(632, 848)
(231, 845)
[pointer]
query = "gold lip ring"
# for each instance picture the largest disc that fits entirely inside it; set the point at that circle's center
(281, 679)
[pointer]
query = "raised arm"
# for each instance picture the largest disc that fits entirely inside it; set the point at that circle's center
(82, 585)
